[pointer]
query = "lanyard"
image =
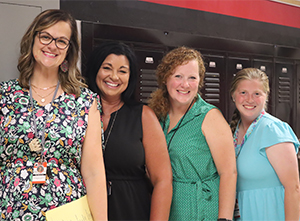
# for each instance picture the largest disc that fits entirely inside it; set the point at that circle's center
(34, 117)
(238, 148)
(178, 124)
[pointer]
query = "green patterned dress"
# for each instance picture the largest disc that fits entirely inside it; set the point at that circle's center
(195, 177)
(20, 199)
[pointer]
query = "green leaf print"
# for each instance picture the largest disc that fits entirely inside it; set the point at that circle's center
(23, 127)
(66, 130)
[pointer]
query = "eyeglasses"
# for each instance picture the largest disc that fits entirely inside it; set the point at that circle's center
(46, 39)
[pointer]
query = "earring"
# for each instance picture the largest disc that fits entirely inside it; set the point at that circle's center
(64, 67)
(233, 99)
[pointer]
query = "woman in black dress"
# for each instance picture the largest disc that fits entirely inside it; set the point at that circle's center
(133, 139)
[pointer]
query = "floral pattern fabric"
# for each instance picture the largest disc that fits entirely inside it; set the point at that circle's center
(66, 125)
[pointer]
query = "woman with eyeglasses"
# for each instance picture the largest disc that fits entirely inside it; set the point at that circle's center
(50, 148)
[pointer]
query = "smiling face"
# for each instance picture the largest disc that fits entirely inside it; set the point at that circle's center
(250, 99)
(49, 56)
(183, 84)
(113, 76)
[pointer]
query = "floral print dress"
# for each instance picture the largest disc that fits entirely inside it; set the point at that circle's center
(66, 125)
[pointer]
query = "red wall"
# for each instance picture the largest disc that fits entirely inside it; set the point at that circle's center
(258, 10)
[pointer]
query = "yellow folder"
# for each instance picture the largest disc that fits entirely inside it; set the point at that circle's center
(73, 211)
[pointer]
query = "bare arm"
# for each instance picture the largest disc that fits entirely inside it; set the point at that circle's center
(92, 166)
(283, 158)
(158, 165)
(218, 136)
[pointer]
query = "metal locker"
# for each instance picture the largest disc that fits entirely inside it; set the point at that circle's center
(284, 91)
(147, 62)
(214, 89)
(297, 106)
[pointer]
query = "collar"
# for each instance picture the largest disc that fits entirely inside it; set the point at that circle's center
(198, 108)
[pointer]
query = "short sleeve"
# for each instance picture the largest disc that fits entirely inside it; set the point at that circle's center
(99, 107)
(277, 132)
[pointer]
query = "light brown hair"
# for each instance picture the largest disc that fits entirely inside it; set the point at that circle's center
(70, 81)
(247, 74)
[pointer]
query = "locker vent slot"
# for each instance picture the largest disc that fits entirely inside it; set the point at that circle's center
(148, 84)
(212, 87)
(284, 86)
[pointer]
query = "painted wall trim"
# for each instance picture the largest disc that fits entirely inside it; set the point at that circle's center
(275, 12)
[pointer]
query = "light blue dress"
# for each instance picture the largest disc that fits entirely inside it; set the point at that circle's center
(259, 190)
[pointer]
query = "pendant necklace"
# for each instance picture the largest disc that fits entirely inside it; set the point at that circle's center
(43, 97)
(111, 127)
(35, 145)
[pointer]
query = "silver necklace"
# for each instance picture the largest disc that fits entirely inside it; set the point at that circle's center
(43, 88)
(35, 145)
(111, 127)
(43, 97)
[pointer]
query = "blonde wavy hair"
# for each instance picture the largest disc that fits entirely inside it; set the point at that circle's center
(247, 74)
(159, 99)
(70, 81)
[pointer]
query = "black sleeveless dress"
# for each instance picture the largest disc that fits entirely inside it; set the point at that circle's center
(124, 159)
